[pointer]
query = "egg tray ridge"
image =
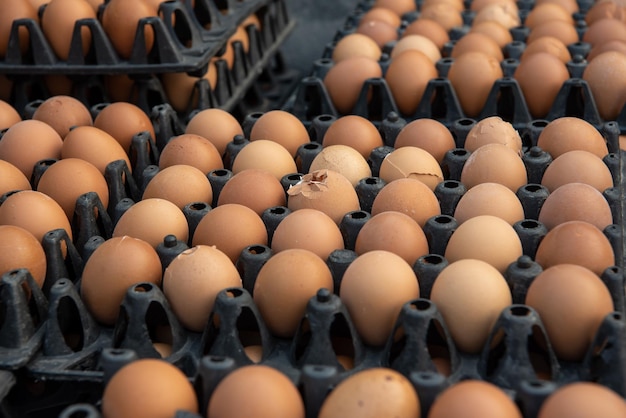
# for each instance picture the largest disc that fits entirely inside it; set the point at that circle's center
(180, 46)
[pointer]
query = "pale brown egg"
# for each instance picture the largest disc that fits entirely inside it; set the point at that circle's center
(382, 14)
(505, 13)
(216, 125)
(585, 399)
(561, 30)
(409, 196)
(9, 12)
(169, 391)
(575, 202)
(344, 81)
(427, 134)
(489, 199)
(577, 166)
(411, 162)
(494, 163)
(468, 397)
(430, 29)
(231, 228)
(192, 281)
(11, 178)
(418, 42)
(380, 32)
(344, 160)
(374, 288)
(35, 212)
(548, 44)
(569, 133)
(20, 249)
(607, 81)
(477, 42)
(68, 179)
(193, 150)
(95, 146)
(151, 220)
(495, 31)
(123, 120)
(256, 390)
(555, 293)
(407, 85)
(27, 142)
(308, 229)
(181, 185)
(353, 131)
(257, 189)
(8, 115)
(57, 23)
(356, 45)
(267, 155)
(63, 113)
(121, 23)
(576, 242)
(547, 12)
(493, 130)
(281, 127)
(447, 15)
(284, 286)
(472, 75)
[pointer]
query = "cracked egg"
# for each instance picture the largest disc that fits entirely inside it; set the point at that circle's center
(411, 162)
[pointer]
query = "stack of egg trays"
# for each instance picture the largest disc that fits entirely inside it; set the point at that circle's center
(258, 78)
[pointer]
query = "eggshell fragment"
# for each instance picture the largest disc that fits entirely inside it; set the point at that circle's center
(411, 162)
(493, 130)
(344, 160)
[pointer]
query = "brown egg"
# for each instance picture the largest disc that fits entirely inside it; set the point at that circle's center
(409, 196)
(380, 32)
(382, 14)
(563, 31)
(394, 232)
(494, 163)
(577, 166)
(57, 23)
(493, 130)
(445, 14)
(281, 127)
(430, 29)
(570, 5)
(478, 5)
(63, 113)
(353, 131)
(27, 142)
(35, 212)
(540, 92)
(59, 84)
(417, 42)
(181, 88)
(458, 5)
(193, 150)
(170, 391)
(607, 81)
(576, 242)
(569, 133)
(505, 13)
(373, 289)
(427, 134)
(308, 229)
(166, 184)
(122, 121)
(605, 9)
(11, 178)
(267, 155)
(256, 390)
(114, 266)
(400, 7)
(326, 191)
(604, 30)
(68, 179)
(356, 45)
(231, 228)
(477, 42)
(411, 162)
(548, 44)
(344, 81)
(618, 46)
(121, 23)
(344, 160)
(576, 202)
(472, 75)
(257, 189)
(8, 115)
(547, 12)
(407, 85)
(469, 397)
(489, 199)
(284, 286)
(556, 294)
(20, 249)
(496, 31)
(119, 87)
(8, 13)
(151, 220)
(216, 125)
(487, 238)
(584, 399)
(377, 390)
(93, 145)
(192, 281)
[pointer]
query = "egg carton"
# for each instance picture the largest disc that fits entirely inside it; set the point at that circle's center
(181, 41)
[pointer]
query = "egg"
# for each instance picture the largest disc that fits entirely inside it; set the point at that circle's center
(231, 228)
(409, 196)
(478, 5)
(373, 392)
(63, 113)
(604, 30)
(58, 21)
(556, 293)
(355, 132)
(166, 184)
(494, 163)
(575, 201)
(11, 178)
(8, 115)
(540, 93)
(10, 12)
(281, 127)
(382, 14)
(490, 130)
(548, 44)
(344, 160)
(583, 398)
(430, 29)
(216, 125)
(400, 7)
(447, 15)
(284, 286)
(192, 281)
(563, 31)
(373, 288)
(419, 43)
(474, 398)
(114, 266)
(494, 30)
(407, 85)
(547, 12)
(94, 146)
(477, 42)
(605, 76)
(615, 45)
(66, 180)
(151, 220)
(257, 189)
(411, 162)
(570, 5)
(267, 155)
(489, 199)
(356, 44)
(570, 133)
(27, 142)
(470, 294)
(122, 121)
(505, 13)
(256, 390)
(603, 9)
(380, 32)
(182, 90)
(344, 81)
(576, 242)
(192, 150)
(168, 389)
(121, 23)
(427, 134)
(20, 249)
(577, 166)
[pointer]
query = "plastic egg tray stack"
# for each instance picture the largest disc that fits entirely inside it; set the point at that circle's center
(188, 36)
(44, 375)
